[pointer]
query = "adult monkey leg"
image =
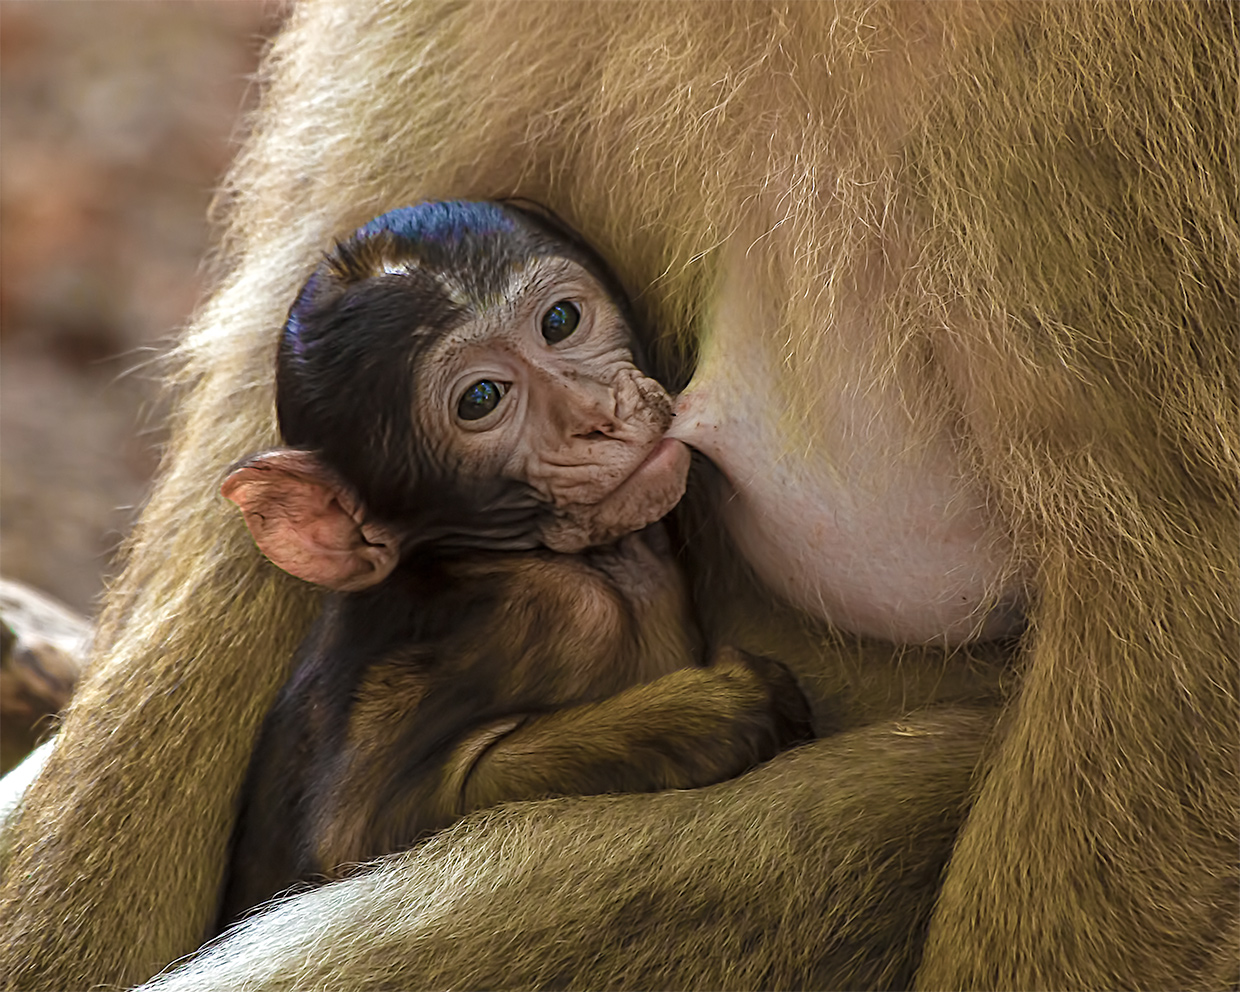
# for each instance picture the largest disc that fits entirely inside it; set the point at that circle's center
(1017, 216)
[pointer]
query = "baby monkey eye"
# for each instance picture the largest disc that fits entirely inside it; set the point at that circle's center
(479, 400)
(560, 321)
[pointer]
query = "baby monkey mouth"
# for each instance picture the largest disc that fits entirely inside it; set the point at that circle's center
(647, 494)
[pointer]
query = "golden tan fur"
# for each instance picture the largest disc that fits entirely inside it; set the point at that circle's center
(1036, 206)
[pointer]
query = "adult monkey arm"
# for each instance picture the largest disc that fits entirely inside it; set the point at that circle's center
(1029, 211)
(494, 904)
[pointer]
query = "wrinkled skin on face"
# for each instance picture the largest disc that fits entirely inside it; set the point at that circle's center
(576, 419)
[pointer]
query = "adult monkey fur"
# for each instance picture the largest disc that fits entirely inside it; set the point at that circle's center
(462, 389)
(1011, 227)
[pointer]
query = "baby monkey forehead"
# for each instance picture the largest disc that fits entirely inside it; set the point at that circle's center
(522, 285)
(500, 308)
(484, 284)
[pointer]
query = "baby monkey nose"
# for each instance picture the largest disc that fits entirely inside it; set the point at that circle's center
(597, 422)
(585, 407)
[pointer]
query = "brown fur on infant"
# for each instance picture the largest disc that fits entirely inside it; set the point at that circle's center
(459, 387)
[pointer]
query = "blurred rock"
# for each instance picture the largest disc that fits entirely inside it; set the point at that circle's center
(43, 647)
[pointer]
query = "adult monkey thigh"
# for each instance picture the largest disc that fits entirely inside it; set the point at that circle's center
(980, 265)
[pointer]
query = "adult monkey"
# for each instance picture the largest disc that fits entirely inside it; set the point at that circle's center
(1000, 239)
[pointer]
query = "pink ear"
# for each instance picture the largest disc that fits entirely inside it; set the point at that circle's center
(308, 522)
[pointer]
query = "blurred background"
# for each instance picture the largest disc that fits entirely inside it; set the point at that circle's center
(117, 120)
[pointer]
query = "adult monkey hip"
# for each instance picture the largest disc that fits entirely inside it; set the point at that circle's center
(1010, 227)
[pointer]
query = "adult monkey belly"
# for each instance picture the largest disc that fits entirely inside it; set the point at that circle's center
(988, 252)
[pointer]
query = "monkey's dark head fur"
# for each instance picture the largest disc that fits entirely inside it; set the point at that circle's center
(364, 321)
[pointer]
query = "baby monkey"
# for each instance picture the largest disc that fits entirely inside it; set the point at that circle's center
(475, 461)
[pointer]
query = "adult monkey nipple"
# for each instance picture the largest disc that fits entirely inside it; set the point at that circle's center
(867, 524)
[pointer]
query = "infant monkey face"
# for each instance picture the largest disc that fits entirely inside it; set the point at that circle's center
(540, 386)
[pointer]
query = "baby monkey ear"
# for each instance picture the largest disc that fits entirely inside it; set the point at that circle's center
(309, 522)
